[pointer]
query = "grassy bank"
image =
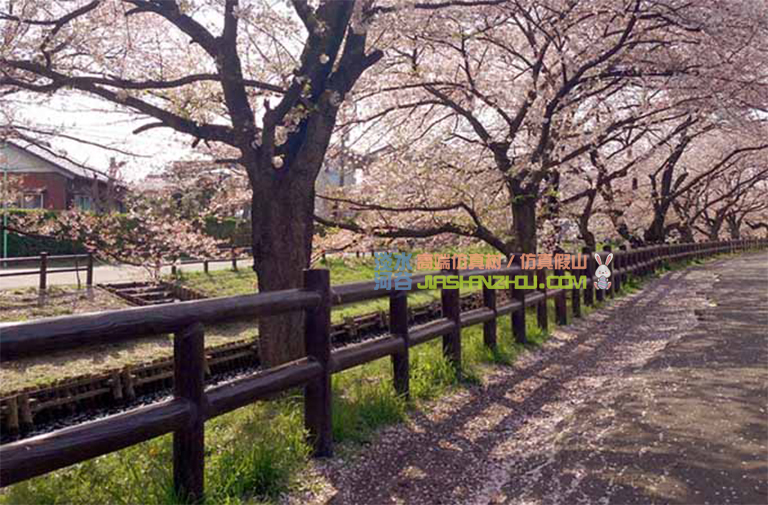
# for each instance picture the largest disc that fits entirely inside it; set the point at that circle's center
(343, 271)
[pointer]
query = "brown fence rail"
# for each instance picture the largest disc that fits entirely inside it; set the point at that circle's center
(186, 414)
(43, 271)
(235, 254)
(247, 252)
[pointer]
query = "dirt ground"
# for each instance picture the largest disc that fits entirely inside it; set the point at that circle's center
(658, 398)
(25, 304)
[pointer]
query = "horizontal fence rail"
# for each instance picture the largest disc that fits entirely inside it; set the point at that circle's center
(43, 270)
(185, 415)
(235, 255)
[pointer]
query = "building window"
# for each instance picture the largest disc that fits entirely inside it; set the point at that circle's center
(32, 201)
(83, 202)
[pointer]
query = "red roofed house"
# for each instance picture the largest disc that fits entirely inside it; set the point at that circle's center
(50, 181)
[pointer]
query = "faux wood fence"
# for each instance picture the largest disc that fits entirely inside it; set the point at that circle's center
(21, 411)
(185, 415)
(43, 270)
(234, 258)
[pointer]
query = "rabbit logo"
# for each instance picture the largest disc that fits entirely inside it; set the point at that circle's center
(603, 272)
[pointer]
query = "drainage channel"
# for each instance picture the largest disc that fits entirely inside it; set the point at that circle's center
(74, 400)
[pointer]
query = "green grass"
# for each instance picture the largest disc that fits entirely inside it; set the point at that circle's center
(243, 281)
(253, 454)
(343, 271)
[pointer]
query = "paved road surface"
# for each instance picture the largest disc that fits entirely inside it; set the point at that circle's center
(660, 398)
(103, 274)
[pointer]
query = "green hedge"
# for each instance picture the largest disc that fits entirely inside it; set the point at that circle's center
(231, 229)
(21, 245)
(26, 245)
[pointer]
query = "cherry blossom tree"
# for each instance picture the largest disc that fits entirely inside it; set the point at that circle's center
(526, 86)
(264, 78)
(150, 234)
(480, 109)
(522, 95)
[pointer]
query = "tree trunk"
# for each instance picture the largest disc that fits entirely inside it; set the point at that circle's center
(714, 232)
(586, 235)
(283, 225)
(686, 233)
(524, 217)
(734, 227)
(656, 233)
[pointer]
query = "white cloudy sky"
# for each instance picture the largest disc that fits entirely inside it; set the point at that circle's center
(94, 121)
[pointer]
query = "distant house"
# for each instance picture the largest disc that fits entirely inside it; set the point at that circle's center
(49, 181)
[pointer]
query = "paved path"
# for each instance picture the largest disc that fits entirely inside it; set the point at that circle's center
(660, 398)
(102, 274)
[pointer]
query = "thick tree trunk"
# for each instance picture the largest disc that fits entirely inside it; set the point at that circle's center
(714, 232)
(586, 235)
(656, 232)
(524, 217)
(734, 227)
(686, 233)
(283, 225)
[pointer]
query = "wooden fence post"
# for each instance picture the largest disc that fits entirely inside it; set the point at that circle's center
(489, 327)
(205, 266)
(651, 268)
(398, 326)
(189, 442)
(518, 316)
(620, 264)
(656, 258)
(576, 292)
(589, 291)
(89, 271)
(452, 310)
(43, 271)
(317, 340)
(642, 257)
(542, 308)
(561, 304)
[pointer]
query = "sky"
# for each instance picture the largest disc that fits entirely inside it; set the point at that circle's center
(94, 121)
